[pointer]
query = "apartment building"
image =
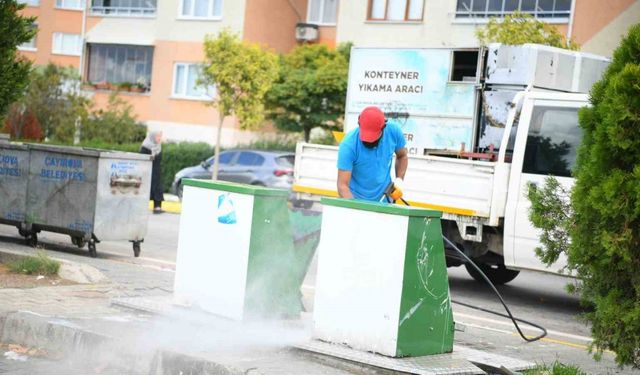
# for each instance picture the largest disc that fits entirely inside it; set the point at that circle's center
(154, 47)
(150, 50)
(596, 25)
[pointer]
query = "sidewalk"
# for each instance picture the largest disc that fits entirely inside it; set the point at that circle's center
(81, 325)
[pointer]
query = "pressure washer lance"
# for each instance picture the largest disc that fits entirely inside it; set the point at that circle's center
(393, 194)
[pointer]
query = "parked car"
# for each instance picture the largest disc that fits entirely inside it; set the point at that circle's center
(263, 168)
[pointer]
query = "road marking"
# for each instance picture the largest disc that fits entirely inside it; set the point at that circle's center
(524, 326)
(545, 339)
(167, 262)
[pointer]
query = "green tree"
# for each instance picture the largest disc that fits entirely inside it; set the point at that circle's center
(54, 99)
(603, 220)
(520, 28)
(242, 73)
(311, 89)
(14, 72)
(116, 124)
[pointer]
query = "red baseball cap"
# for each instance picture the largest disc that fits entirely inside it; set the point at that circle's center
(371, 121)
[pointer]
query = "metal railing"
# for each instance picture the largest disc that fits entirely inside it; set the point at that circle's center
(123, 11)
(542, 14)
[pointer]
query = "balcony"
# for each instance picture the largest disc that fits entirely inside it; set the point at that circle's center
(117, 67)
(124, 8)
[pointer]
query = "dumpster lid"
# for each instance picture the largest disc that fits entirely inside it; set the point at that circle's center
(384, 208)
(122, 155)
(13, 146)
(236, 188)
(64, 150)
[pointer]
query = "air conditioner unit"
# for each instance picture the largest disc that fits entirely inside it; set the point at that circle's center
(306, 32)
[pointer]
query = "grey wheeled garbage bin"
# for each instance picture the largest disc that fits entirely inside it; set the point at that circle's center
(91, 195)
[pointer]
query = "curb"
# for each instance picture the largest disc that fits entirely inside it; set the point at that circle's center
(86, 349)
(80, 273)
(169, 206)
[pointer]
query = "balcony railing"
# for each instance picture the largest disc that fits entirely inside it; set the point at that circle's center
(540, 14)
(123, 11)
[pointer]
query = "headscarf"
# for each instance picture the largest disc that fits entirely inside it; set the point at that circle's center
(151, 144)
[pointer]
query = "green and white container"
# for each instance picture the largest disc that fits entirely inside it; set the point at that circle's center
(382, 280)
(236, 257)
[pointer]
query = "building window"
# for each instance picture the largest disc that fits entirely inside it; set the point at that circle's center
(207, 9)
(31, 3)
(117, 64)
(124, 8)
(69, 4)
(67, 44)
(543, 9)
(186, 85)
(30, 45)
(396, 10)
(323, 12)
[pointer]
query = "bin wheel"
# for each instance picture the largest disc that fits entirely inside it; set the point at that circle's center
(79, 241)
(92, 249)
(136, 249)
(32, 239)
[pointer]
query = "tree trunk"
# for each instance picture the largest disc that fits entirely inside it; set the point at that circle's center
(307, 134)
(216, 158)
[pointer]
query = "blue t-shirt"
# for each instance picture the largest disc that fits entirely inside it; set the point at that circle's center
(370, 167)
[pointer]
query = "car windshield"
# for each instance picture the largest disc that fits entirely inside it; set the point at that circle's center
(286, 160)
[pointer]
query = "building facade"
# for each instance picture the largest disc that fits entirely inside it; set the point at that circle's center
(150, 50)
(596, 25)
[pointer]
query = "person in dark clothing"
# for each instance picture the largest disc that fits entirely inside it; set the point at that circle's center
(152, 145)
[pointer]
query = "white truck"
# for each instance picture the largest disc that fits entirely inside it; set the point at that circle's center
(517, 108)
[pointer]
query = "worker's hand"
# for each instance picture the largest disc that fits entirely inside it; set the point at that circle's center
(398, 186)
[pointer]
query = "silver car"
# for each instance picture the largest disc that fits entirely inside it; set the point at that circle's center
(264, 168)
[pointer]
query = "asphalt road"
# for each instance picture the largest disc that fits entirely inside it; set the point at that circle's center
(537, 297)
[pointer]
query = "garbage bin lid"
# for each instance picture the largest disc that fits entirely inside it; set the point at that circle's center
(384, 208)
(237, 188)
(69, 150)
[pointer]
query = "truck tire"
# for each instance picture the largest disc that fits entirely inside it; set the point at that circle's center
(498, 274)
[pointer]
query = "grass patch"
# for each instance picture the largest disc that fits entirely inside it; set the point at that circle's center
(556, 368)
(40, 264)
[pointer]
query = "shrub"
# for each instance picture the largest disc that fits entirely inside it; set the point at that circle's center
(176, 156)
(605, 225)
(40, 264)
(280, 143)
(52, 103)
(520, 28)
(116, 124)
(556, 369)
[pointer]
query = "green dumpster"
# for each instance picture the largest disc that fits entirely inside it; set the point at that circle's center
(236, 255)
(382, 281)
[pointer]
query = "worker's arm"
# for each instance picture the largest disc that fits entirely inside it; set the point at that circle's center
(344, 177)
(402, 161)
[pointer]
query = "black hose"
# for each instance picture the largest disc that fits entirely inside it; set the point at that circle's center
(510, 316)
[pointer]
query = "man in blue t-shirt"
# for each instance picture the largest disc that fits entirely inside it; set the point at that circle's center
(365, 155)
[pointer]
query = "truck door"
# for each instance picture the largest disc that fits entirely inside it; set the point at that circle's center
(547, 139)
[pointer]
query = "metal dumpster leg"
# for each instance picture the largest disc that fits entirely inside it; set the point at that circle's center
(92, 246)
(136, 247)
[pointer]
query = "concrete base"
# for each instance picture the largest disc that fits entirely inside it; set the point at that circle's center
(462, 360)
